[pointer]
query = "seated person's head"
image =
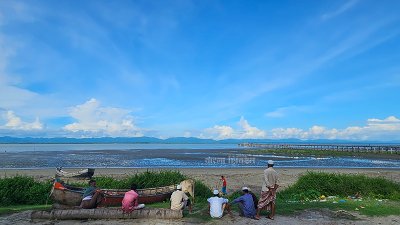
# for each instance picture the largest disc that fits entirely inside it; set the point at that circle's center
(216, 193)
(92, 183)
(133, 187)
(245, 190)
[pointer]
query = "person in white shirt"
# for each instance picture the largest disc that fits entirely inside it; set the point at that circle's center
(179, 200)
(217, 205)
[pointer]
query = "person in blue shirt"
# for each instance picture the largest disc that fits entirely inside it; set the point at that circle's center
(246, 204)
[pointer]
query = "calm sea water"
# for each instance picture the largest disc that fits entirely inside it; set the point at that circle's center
(165, 156)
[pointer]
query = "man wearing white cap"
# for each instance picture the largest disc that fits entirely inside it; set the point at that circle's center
(268, 191)
(179, 200)
(216, 205)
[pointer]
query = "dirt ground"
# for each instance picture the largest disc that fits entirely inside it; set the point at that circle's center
(324, 217)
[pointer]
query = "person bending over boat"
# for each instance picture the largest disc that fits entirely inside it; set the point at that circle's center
(92, 196)
(179, 200)
(131, 200)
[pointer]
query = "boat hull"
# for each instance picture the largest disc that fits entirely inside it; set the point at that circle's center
(69, 196)
(86, 173)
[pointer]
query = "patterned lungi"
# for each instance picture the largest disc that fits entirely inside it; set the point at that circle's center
(266, 198)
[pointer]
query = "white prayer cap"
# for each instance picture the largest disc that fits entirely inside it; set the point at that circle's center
(270, 162)
(245, 188)
(179, 187)
(215, 192)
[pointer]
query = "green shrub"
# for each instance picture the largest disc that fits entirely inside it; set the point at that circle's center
(313, 184)
(22, 190)
(146, 179)
(201, 191)
(234, 195)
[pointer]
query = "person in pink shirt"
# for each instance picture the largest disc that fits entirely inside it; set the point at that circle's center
(130, 201)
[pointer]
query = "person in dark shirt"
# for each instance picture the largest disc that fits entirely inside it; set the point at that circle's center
(246, 204)
(255, 199)
(92, 196)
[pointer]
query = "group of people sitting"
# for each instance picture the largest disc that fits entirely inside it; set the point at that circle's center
(249, 205)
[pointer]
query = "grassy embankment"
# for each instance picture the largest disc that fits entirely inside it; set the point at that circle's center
(311, 152)
(21, 193)
(380, 197)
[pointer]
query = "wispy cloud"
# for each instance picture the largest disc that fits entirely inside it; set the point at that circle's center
(284, 111)
(342, 9)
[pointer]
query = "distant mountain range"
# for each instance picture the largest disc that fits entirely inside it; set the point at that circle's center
(174, 140)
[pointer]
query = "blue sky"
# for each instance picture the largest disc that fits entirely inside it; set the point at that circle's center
(208, 69)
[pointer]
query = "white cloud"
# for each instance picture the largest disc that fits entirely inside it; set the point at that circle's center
(282, 133)
(219, 132)
(375, 129)
(102, 121)
(13, 122)
(245, 130)
(249, 131)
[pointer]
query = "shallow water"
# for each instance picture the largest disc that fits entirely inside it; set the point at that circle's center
(165, 156)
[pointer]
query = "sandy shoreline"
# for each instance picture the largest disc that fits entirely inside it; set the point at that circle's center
(236, 177)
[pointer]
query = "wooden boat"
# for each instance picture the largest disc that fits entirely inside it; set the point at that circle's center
(85, 173)
(66, 195)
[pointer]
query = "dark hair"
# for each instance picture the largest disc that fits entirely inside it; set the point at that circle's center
(133, 186)
(246, 190)
(222, 176)
(270, 165)
(91, 181)
(216, 195)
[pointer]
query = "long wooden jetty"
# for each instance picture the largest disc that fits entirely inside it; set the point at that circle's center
(393, 149)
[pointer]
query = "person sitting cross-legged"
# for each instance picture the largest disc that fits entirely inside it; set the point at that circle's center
(179, 200)
(217, 205)
(130, 201)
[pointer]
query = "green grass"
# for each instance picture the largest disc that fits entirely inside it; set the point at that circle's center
(21, 193)
(311, 152)
(305, 194)
(146, 179)
(372, 207)
(20, 208)
(23, 190)
(314, 184)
